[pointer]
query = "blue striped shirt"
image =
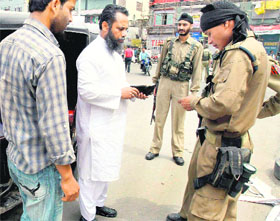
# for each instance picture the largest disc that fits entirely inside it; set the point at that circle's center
(33, 99)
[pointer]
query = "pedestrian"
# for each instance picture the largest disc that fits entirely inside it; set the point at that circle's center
(228, 112)
(128, 54)
(103, 93)
(143, 56)
(34, 111)
(271, 54)
(180, 61)
(136, 54)
(206, 61)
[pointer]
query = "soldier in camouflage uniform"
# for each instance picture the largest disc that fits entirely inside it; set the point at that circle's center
(230, 110)
(206, 61)
(180, 62)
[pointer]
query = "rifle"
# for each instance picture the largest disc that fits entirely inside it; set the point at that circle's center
(200, 132)
(153, 118)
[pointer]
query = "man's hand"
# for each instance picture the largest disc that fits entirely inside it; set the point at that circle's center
(129, 92)
(69, 185)
(186, 102)
(71, 189)
(142, 96)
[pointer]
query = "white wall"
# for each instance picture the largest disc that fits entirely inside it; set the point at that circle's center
(133, 13)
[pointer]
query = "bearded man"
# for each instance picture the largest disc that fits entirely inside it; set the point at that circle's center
(180, 61)
(101, 112)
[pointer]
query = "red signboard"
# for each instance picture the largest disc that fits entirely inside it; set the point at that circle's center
(157, 43)
(265, 28)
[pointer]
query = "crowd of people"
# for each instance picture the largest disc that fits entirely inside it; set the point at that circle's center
(33, 106)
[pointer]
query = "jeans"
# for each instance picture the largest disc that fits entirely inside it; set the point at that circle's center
(127, 64)
(41, 193)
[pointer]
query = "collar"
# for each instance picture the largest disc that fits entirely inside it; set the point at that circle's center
(188, 41)
(250, 34)
(41, 28)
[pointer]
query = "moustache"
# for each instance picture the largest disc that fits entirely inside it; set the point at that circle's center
(121, 39)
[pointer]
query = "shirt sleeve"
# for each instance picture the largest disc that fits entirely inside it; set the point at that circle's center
(197, 70)
(231, 84)
(51, 101)
(91, 90)
(270, 107)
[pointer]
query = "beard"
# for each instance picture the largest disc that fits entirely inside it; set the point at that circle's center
(113, 43)
(184, 33)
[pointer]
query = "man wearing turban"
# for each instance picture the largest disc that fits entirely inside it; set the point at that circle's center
(230, 110)
(180, 61)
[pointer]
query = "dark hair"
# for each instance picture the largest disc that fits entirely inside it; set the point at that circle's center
(109, 14)
(40, 5)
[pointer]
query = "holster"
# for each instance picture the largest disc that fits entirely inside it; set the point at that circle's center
(228, 168)
(200, 132)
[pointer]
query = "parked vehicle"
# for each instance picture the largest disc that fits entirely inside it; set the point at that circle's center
(74, 39)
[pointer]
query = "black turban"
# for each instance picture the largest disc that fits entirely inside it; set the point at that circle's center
(186, 17)
(219, 12)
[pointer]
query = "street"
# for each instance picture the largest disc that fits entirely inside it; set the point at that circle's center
(149, 190)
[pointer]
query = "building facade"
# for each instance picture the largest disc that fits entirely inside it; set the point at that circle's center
(14, 5)
(165, 13)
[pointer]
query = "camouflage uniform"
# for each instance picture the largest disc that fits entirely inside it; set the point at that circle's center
(206, 60)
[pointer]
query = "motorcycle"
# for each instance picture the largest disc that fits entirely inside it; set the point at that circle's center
(146, 66)
(74, 39)
(154, 58)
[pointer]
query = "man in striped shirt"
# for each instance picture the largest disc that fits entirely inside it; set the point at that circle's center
(34, 111)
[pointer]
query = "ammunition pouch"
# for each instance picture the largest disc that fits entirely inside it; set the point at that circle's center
(173, 70)
(232, 169)
(177, 71)
(205, 56)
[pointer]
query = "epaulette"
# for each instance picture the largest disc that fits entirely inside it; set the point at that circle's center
(249, 54)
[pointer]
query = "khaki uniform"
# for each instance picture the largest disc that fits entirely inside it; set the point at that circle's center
(230, 110)
(206, 60)
(170, 91)
(271, 107)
